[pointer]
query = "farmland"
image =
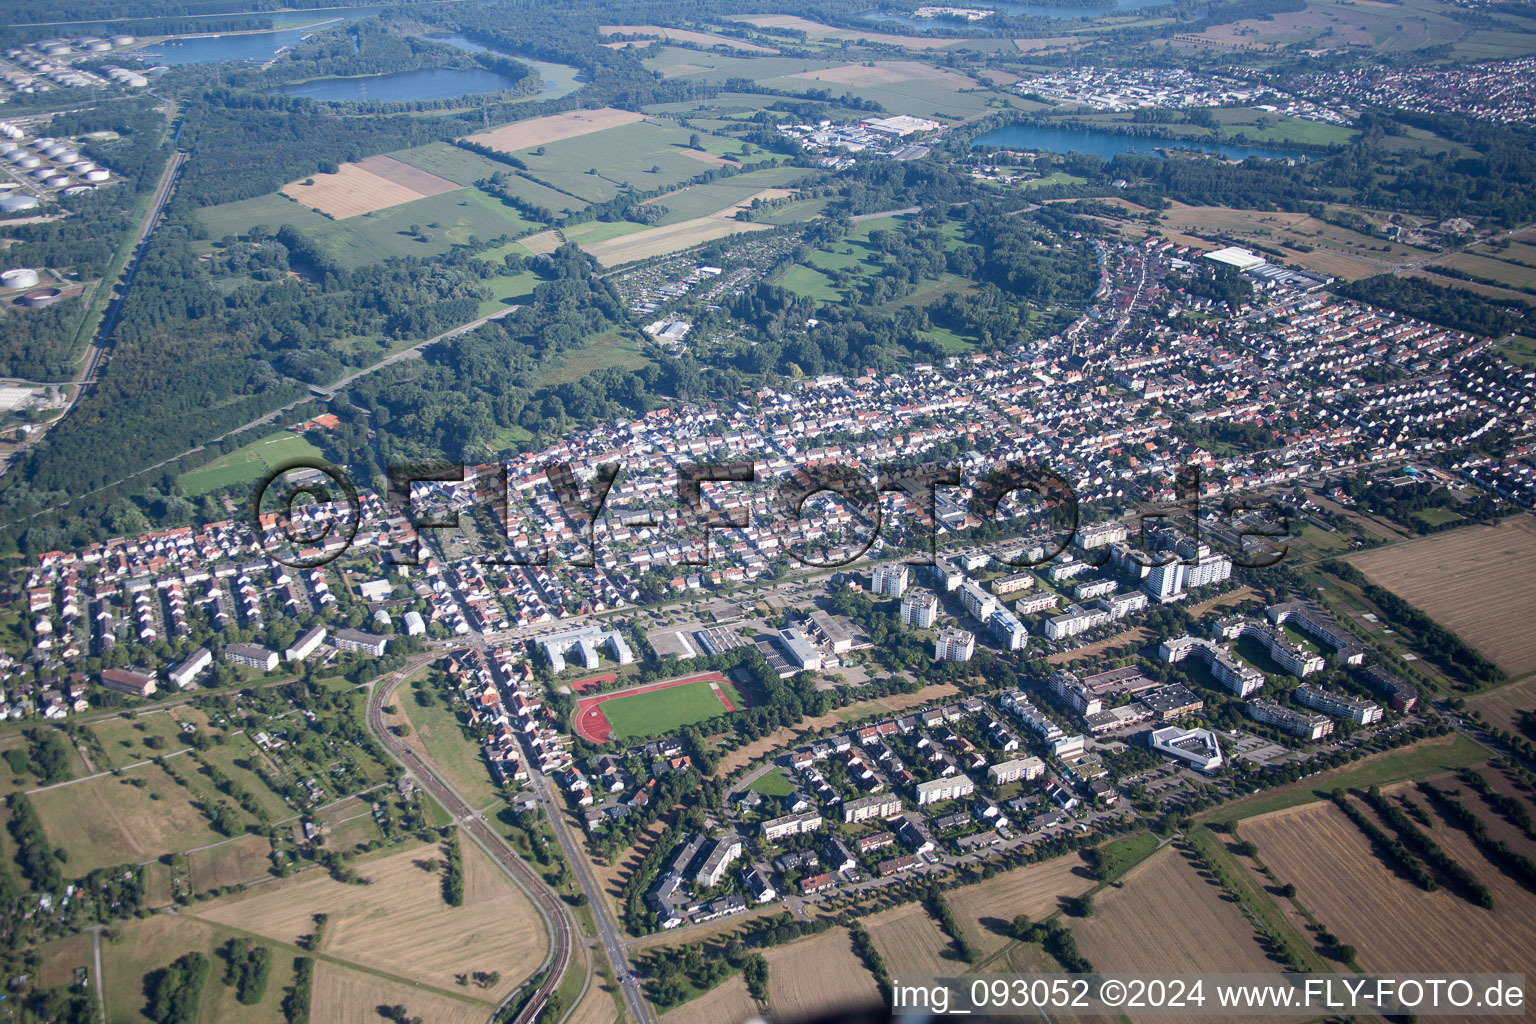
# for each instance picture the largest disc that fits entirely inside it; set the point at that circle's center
(1166, 917)
(343, 996)
(889, 72)
(642, 156)
(399, 923)
(1392, 923)
(669, 238)
(357, 241)
(816, 30)
(540, 131)
(728, 1003)
(1036, 890)
(1508, 706)
(819, 975)
(685, 35)
(376, 183)
(912, 943)
(137, 948)
(1446, 576)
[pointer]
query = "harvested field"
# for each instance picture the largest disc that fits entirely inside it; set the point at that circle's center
(683, 35)
(888, 72)
(376, 183)
(541, 243)
(912, 942)
(1034, 43)
(1035, 890)
(342, 996)
(818, 976)
(816, 30)
(725, 1004)
(1166, 917)
(671, 238)
(540, 131)
(400, 923)
(1446, 575)
(1394, 925)
(1508, 707)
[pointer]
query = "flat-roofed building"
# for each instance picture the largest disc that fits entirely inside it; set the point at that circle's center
(1297, 723)
(881, 805)
(827, 632)
(1400, 693)
(954, 645)
(791, 825)
(919, 608)
(977, 601)
(953, 787)
(1004, 772)
(1198, 748)
(799, 650)
(1339, 705)
(1014, 583)
(889, 580)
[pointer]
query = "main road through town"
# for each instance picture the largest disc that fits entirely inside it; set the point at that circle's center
(557, 917)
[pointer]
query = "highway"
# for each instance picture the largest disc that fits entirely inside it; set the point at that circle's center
(556, 916)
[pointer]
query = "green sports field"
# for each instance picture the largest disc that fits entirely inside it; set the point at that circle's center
(663, 711)
(246, 464)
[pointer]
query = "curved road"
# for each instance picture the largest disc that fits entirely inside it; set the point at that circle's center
(550, 907)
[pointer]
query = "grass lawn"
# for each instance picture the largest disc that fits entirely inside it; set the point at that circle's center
(1419, 761)
(642, 156)
(1437, 516)
(459, 759)
(248, 463)
(1120, 855)
(131, 818)
(513, 290)
(775, 783)
(1521, 351)
(129, 740)
(663, 711)
(610, 349)
(446, 160)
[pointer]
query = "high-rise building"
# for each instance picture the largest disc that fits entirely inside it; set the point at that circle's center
(919, 608)
(889, 580)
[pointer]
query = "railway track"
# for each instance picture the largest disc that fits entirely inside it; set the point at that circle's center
(551, 909)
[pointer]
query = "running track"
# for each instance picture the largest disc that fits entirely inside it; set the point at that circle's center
(592, 725)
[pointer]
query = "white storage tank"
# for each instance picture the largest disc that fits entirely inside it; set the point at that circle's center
(55, 149)
(57, 181)
(20, 277)
(44, 172)
(99, 174)
(15, 204)
(27, 162)
(66, 156)
(136, 81)
(122, 40)
(99, 46)
(79, 167)
(57, 50)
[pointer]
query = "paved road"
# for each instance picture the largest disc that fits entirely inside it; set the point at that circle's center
(609, 932)
(555, 914)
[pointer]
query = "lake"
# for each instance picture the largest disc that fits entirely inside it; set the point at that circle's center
(559, 79)
(1016, 10)
(1109, 144)
(400, 86)
(256, 47)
